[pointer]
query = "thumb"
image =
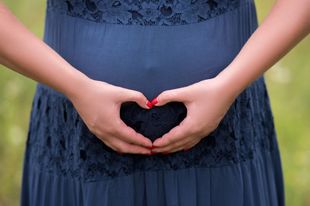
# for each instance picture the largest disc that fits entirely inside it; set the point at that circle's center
(178, 95)
(136, 96)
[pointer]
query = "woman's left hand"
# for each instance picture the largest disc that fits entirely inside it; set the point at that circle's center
(207, 102)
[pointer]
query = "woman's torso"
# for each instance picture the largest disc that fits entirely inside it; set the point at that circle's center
(140, 46)
(148, 45)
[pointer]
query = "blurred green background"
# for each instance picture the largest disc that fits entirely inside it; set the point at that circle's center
(287, 81)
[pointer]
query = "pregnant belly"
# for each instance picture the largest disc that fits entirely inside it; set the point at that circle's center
(149, 59)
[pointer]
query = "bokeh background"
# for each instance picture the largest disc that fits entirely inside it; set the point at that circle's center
(288, 82)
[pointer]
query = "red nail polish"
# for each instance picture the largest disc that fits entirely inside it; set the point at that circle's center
(154, 101)
(151, 147)
(149, 104)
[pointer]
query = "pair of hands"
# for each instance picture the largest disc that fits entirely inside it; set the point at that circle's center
(207, 102)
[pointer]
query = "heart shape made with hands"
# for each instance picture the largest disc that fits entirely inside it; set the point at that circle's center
(154, 122)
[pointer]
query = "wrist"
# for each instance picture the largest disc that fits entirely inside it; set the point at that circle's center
(231, 81)
(77, 85)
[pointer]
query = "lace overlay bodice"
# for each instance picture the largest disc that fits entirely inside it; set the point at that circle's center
(144, 12)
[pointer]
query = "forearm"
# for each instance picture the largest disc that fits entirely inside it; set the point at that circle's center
(287, 24)
(23, 52)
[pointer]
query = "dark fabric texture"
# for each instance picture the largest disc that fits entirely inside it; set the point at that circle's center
(155, 122)
(151, 46)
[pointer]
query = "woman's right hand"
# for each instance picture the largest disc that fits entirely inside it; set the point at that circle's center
(98, 104)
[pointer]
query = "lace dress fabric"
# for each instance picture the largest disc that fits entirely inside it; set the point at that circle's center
(234, 141)
(151, 46)
(150, 12)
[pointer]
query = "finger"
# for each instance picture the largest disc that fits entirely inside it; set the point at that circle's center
(176, 134)
(178, 94)
(106, 142)
(135, 96)
(180, 144)
(187, 145)
(184, 147)
(172, 146)
(123, 147)
(129, 135)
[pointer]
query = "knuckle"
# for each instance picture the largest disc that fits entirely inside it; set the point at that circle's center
(167, 140)
(121, 148)
(105, 142)
(169, 149)
(125, 134)
(195, 128)
(94, 129)
(130, 133)
(133, 137)
(139, 95)
(91, 127)
(113, 131)
(114, 128)
(110, 144)
(178, 144)
(99, 133)
(163, 95)
(133, 95)
(93, 122)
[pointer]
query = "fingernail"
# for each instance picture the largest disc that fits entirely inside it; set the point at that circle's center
(154, 101)
(149, 104)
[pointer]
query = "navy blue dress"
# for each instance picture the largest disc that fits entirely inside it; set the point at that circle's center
(151, 46)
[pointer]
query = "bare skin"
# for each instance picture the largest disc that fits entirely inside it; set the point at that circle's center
(19, 51)
(278, 33)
